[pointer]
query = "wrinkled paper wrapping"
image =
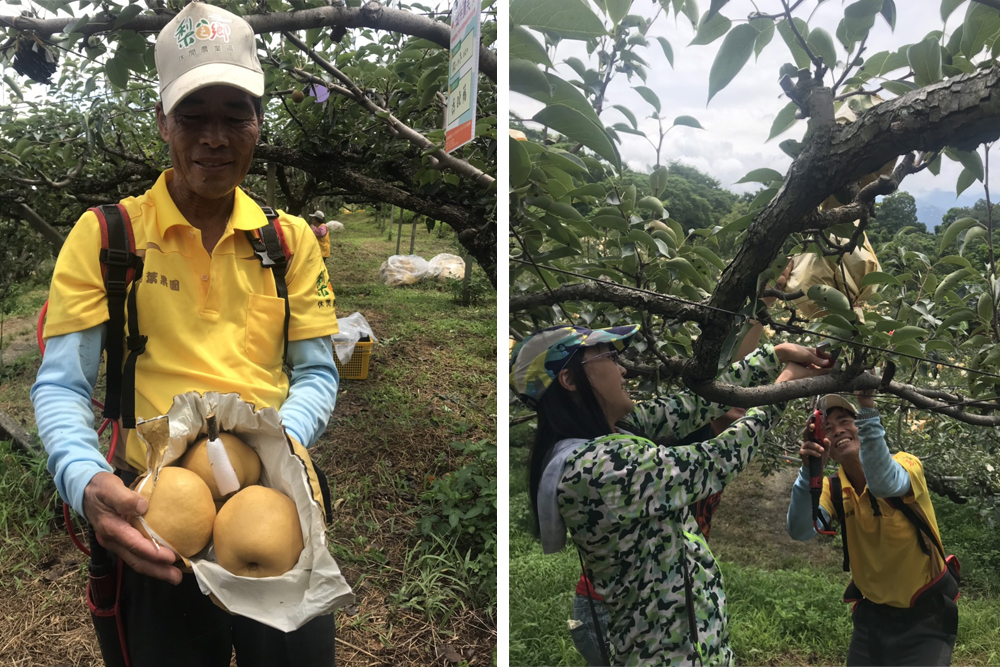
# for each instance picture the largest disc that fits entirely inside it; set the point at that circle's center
(315, 585)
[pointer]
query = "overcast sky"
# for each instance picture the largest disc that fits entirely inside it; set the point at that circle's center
(739, 118)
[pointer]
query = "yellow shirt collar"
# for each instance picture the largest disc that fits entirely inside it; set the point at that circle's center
(246, 213)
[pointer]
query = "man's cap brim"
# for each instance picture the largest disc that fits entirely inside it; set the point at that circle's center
(831, 401)
(212, 74)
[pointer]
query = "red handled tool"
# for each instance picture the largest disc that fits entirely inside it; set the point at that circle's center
(817, 433)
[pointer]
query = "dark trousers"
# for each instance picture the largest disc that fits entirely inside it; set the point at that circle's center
(885, 635)
(170, 626)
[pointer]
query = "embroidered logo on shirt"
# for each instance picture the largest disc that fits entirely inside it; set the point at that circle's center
(154, 278)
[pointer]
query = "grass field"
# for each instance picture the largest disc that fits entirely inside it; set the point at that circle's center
(783, 596)
(420, 599)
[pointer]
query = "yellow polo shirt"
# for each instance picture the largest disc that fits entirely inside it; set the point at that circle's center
(887, 564)
(215, 322)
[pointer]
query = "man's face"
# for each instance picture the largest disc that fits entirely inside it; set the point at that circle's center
(211, 134)
(842, 434)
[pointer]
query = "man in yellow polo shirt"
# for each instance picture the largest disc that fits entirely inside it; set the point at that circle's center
(905, 611)
(214, 321)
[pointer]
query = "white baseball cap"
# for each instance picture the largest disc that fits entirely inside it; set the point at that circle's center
(317, 214)
(206, 46)
(831, 401)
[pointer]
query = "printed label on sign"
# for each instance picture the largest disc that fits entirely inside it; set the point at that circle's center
(461, 55)
(460, 98)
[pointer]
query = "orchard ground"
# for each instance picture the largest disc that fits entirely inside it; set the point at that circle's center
(784, 596)
(432, 381)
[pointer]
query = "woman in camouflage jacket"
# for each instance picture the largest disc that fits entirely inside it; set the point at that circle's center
(626, 500)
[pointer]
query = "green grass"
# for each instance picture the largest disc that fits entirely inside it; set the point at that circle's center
(778, 614)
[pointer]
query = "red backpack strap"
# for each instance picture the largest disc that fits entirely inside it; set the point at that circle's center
(120, 267)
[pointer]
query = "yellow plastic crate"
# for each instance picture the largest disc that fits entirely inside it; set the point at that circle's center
(357, 367)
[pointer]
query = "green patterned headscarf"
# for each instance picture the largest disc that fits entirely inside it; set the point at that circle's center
(536, 361)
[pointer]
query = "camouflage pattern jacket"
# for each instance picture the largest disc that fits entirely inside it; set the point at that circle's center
(628, 505)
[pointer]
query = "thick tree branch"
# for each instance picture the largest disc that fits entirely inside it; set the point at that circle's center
(396, 126)
(961, 112)
(619, 296)
(371, 15)
(42, 227)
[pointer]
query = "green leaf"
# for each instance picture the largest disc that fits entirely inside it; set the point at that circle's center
(710, 28)
(732, 56)
(898, 87)
(628, 114)
(569, 19)
(859, 18)
(925, 59)
(651, 203)
(829, 297)
(971, 236)
(649, 96)
(970, 160)
(617, 223)
(520, 163)
(791, 41)
(985, 307)
(889, 13)
(117, 72)
(965, 179)
(668, 50)
(14, 88)
(617, 9)
(523, 45)
(763, 175)
(709, 256)
(879, 278)
(658, 181)
(763, 198)
(716, 6)
(689, 121)
(954, 229)
(588, 190)
(579, 128)
(821, 44)
(126, 16)
(979, 28)
(948, 6)
(564, 210)
(784, 120)
(949, 283)
(527, 79)
(906, 333)
(765, 28)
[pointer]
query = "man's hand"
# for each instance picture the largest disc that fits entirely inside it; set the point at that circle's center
(794, 371)
(812, 449)
(789, 353)
(108, 505)
(865, 398)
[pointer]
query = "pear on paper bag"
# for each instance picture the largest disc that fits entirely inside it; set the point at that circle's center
(244, 460)
(181, 510)
(257, 533)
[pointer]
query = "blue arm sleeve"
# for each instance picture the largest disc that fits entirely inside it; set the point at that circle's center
(799, 523)
(886, 477)
(61, 396)
(312, 393)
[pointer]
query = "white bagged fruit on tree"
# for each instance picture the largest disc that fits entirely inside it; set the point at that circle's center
(235, 498)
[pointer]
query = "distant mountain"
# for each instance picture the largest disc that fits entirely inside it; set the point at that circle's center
(932, 206)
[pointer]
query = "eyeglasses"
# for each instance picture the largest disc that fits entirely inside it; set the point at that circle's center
(612, 355)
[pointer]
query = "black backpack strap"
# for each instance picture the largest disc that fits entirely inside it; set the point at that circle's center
(920, 525)
(271, 253)
(837, 497)
(121, 266)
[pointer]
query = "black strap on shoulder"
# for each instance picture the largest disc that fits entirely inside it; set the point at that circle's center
(920, 525)
(119, 258)
(272, 256)
(837, 497)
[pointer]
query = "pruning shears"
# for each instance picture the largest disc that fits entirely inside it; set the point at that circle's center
(816, 431)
